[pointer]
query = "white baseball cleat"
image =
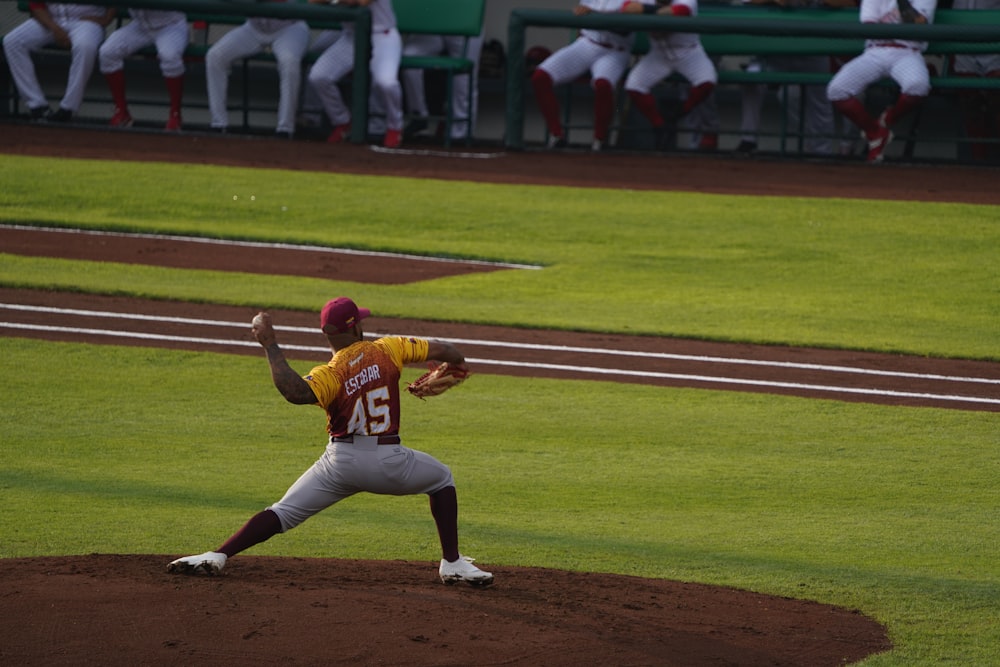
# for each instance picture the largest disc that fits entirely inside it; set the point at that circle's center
(878, 143)
(463, 570)
(210, 563)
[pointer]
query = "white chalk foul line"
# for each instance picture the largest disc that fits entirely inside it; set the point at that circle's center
(525, 346)
(724, 360)
(741, 381)
(271, 246)
(151, 337)
(518, 364)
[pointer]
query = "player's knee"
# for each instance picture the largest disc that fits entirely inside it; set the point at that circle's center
(386, 85)
(289, 517)
(172, 70)
(171, 63)
(541, 78)
(318, 79)
(916, 89)
(107, 63)
(290, 66)
(212, 60)
(14, 42)
(84, 50)
(634, 86)
(836, 92)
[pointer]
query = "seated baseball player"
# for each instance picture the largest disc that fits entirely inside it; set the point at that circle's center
(79, 28)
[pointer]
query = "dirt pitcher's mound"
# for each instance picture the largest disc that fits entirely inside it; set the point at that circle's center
(126, 610)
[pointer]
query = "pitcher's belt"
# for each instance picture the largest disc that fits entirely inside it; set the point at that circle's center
(368, 439)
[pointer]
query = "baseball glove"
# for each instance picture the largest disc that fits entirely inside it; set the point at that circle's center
(438, 380)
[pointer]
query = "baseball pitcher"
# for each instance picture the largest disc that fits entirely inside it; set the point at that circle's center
(359, 390)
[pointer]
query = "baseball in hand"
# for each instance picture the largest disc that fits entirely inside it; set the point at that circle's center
(261, 327)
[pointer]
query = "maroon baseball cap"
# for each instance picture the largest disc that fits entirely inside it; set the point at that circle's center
(340, 314)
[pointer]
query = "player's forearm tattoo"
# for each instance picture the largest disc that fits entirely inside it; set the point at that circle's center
(289, 383)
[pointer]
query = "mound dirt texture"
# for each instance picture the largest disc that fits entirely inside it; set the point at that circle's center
(103, 609)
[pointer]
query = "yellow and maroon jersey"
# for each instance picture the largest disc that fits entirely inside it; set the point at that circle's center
(359, 386)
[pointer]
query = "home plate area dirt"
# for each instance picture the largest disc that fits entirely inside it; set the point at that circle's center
(102, 609)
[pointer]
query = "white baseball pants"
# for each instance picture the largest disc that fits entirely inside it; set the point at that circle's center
(86, 37)
(338, 60)
(692, 63)
(345, 469)
(906, 67)
(464, 97)
(583, 55)
(289, 47)
(170, 42)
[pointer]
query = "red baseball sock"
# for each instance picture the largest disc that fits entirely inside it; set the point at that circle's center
(175, 86)
(697, 96)
(855, 111)
(116, 84)
(261, 527)
(646, 104)
(548, 104)
(604, 108)
(904, 105)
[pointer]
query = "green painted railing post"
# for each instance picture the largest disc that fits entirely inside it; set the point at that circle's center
(514, 131)
(361, 76)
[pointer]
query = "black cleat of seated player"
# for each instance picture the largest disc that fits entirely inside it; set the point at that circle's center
(415, 127)
(60, 116)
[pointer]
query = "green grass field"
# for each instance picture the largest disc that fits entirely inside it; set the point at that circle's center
(889, 510)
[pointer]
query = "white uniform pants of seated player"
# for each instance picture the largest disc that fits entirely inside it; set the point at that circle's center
(464, 94)
(978, 65)
(170, 40)
(582, 56)
(905, 66)
(311, 109)
(338, 60)
(691, 62)
(345, 469)
(288, 44)
(86, 37)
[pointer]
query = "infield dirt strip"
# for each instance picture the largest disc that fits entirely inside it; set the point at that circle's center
(124, 609)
